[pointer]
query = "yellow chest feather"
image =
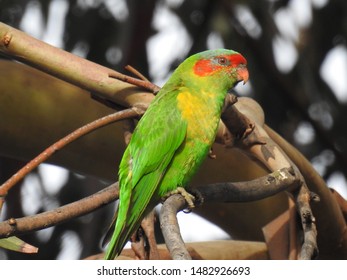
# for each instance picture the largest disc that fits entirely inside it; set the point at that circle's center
(201, 112)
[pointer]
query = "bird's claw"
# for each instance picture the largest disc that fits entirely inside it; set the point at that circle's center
(189, 198)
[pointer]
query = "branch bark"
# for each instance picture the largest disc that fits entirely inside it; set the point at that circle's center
(274, 183)
(223, 192)
(14, 226)
(71, 68)
(257, 144)
(331, 225)
(170, 228)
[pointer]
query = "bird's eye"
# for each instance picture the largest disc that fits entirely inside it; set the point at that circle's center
(222, 61)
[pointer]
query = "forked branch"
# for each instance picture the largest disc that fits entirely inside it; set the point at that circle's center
(258, 145)
(223, 192)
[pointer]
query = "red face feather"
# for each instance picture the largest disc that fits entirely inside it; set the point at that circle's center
(205, 67)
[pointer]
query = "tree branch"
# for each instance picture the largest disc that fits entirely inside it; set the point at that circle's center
(140, 83)
(330, 222)
(223, 192)
(271, 184)
(258, 145)
(51, 218)
(309, 248)
(71, 68)
(170, 228)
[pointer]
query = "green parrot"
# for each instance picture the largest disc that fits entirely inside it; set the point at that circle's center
(173, 137)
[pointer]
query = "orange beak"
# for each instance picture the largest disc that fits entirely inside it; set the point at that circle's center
(242, 74)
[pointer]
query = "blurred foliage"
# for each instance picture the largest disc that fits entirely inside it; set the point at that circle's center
(298, 102)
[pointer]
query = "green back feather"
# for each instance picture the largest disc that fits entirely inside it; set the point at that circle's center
(145, 160)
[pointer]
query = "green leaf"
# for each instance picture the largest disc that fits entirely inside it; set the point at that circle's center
(15, 244)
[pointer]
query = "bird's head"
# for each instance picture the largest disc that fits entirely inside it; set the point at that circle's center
(221, 62)
(221, 67)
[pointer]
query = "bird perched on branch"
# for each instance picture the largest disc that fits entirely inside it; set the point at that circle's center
(173, 137)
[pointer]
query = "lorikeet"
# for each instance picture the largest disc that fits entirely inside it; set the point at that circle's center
(173, 137)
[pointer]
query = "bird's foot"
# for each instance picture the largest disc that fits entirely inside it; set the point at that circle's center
(189, 198)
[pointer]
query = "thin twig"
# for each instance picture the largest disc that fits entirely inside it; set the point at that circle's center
(134, 81)
(147, 225)
(303, 197)
(143, 242)
(136, 72)
(4, 188)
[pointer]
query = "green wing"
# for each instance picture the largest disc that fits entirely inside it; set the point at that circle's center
(156, 138)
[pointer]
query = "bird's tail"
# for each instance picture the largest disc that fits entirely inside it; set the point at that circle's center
(117, 242)
(109, 238)
(120, 230)
(134, 205)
